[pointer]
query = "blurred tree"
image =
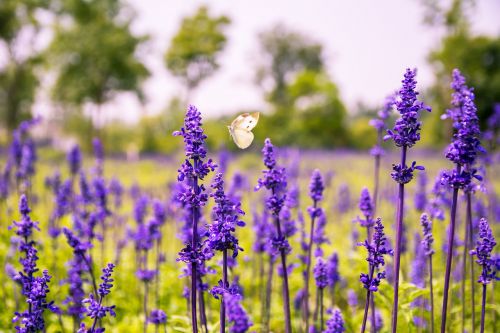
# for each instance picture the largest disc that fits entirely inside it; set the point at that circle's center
(319, 115)
(194, 51)
(477, 57)
(95, 54)
(285, 53)
(19, 31)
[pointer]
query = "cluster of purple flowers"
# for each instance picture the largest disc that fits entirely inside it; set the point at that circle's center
(34, 288)
(336, 323)
(484, 247)
(95, 308)
(220, 234)
(377, 249)
(466, 145)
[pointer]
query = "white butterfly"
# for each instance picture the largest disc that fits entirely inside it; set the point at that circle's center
(240, 129)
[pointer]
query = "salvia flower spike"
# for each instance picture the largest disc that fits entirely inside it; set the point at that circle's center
(193, 170)
(274, 180)
(405, 134)
(484, 247)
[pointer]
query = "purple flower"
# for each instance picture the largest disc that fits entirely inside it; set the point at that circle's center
(226, 218)
(194, 140)
(465, 146)
(376, 251)
(406, 132)
(98, 150)
(116, 189)
(484, 247)
(74, 160)
(236, 314)
(316, 186)
(418, 267)
(420, 193)
(366, 208)
(321, 273)
(34, 288)
(380, 123)
(274, 179)
(157, 317)
(427, 231)
(344, 198)
(332, 267)
(95, 308)
(336, 323)
(141, 208)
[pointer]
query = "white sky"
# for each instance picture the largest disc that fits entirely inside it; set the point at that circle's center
(368, 44)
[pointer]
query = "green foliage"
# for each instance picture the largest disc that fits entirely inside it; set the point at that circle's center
(95, 55)
(285, 53)
(478, 58)
(18, 78)
(194, 50)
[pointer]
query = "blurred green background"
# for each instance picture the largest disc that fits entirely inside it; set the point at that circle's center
(71, 59)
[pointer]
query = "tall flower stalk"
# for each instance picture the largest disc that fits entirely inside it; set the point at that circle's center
(34, 288)
(462, 152)
(221, 237)
(274, 180)
(95, 308)
(316, 188)
(380, 124)
(367, 207)
(405, 134)
(429, 251)
(376, 251)
(484, 247)
(193, 170)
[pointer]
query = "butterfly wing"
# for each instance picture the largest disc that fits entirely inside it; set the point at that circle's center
(246, 121)
(242, 138)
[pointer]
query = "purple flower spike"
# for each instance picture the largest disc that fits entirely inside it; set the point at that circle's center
(406, 132)
(336, 323)
(484, 247)
(428, 238)
(321, 273)
(75, 160)
(377, 249)
(157, 317)
(236, 314)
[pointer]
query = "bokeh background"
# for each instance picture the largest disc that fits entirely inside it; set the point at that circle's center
(125, 70)
(317, 70)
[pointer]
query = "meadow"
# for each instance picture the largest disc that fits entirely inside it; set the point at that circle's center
(155, 178)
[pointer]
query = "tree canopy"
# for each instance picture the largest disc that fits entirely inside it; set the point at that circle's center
(193, 54)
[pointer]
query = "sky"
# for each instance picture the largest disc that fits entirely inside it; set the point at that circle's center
(368, 45)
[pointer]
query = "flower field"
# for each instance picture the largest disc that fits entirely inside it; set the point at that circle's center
(283, 241)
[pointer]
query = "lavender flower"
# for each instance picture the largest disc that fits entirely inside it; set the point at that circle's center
(463, 152)
(34, 288)
(366, 207)
(484, 247)
(321, 273)
(157, 317)
(380, 124)
(74, 160)
(193, 169)
(420, 194)
(332, 267)
(427, 231)
(274, 180)
(376, 251)
(95, 308)
(344, 198)
(406, 134)
(236, 314)
(316, 235)
(336, 323)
